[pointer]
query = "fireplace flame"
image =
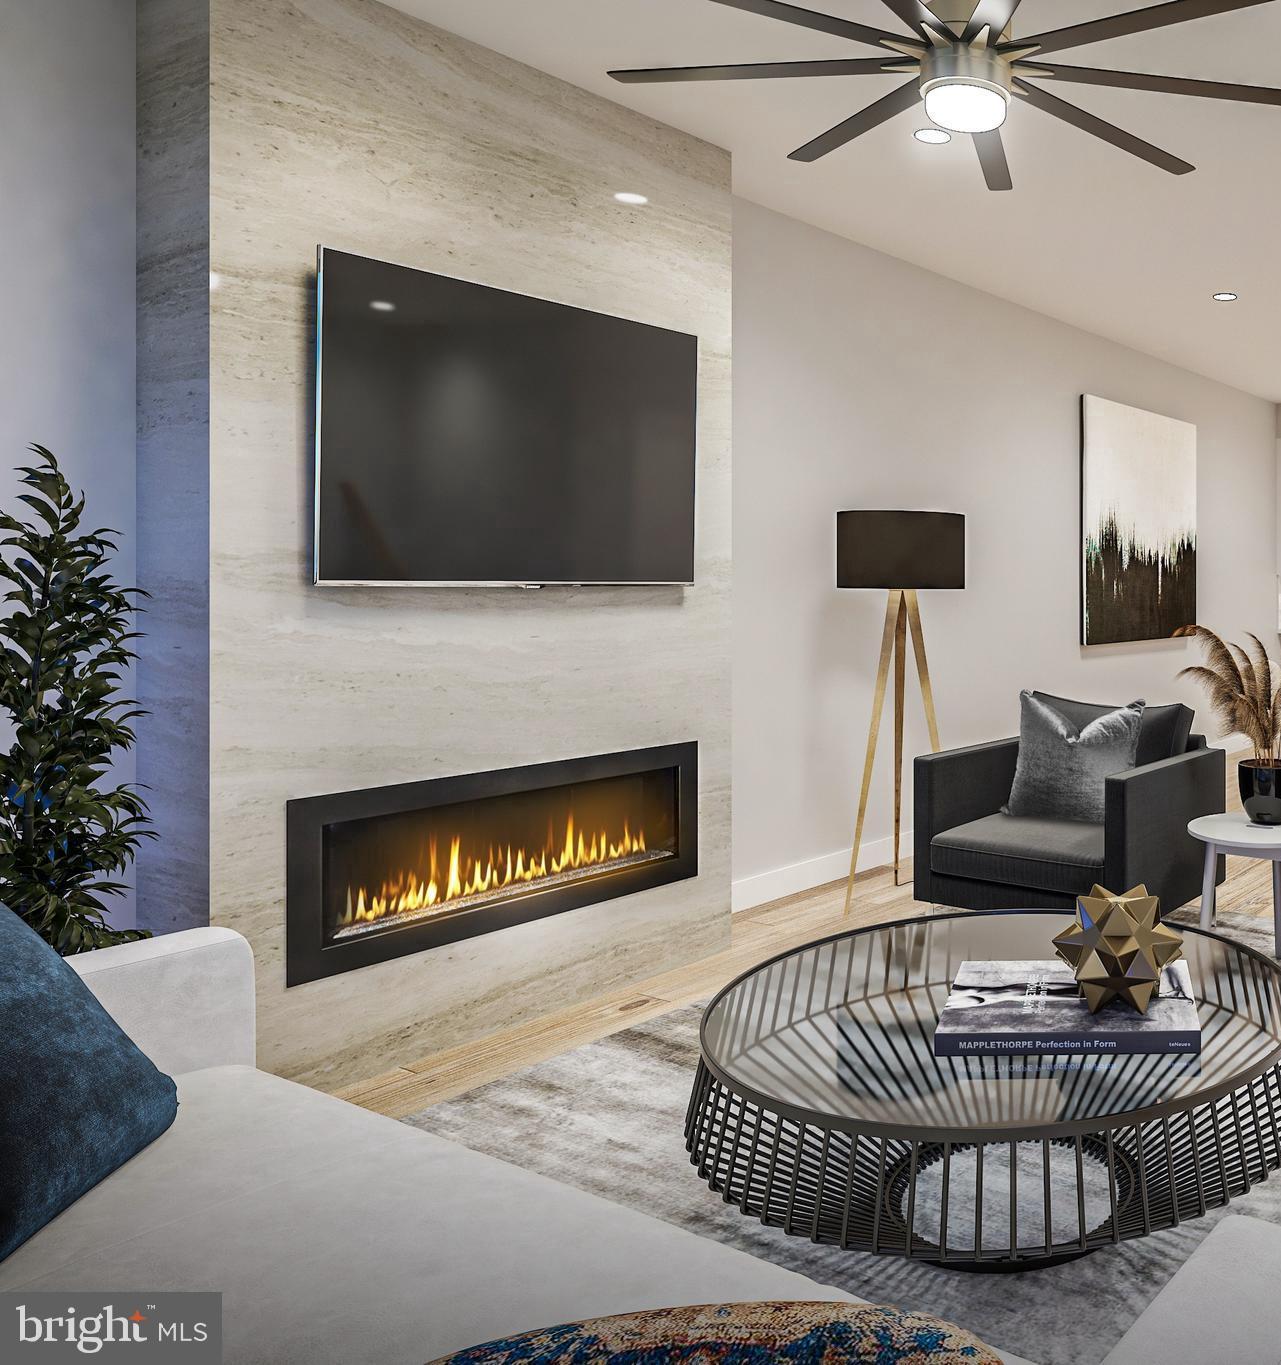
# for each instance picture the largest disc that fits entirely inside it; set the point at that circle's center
(460, 875)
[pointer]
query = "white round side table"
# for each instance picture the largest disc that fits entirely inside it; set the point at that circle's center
(1233, 833)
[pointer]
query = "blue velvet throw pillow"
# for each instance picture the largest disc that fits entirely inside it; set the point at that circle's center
(77, 1097)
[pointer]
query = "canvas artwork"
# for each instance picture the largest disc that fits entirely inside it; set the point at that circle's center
(1138, 523)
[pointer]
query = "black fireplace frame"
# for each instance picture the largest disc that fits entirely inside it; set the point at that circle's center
(309, 958)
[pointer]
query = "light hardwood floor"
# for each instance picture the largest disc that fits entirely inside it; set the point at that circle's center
(756, 934)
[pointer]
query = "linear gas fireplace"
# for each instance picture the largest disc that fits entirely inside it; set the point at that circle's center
(380, 873)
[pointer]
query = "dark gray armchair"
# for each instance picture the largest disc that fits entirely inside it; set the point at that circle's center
(970, 856)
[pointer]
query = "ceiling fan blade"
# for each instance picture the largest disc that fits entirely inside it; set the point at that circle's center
(1136, 21)
(864, 121)
(856, 66)
(1166, 85)
(996, 170)
(805, 18)
(990, 14)
(1109, 132)
(919, 18)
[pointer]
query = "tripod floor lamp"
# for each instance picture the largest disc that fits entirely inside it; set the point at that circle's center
(900, 552)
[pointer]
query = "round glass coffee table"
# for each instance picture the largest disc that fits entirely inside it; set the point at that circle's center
(820, 1108)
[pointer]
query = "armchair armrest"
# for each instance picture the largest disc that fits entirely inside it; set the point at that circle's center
(1145, 835)
(953, 788)
(186, 999)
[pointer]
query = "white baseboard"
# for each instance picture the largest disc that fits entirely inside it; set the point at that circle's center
(764, 887)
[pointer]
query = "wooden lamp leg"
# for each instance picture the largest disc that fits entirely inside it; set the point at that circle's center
(893, 609)
(900, 674)
(922, 667)
(902, 612)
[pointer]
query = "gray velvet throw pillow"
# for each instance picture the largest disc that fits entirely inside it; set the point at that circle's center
(1062, 766)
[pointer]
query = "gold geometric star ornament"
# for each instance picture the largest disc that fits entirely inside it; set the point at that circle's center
(1118, 947)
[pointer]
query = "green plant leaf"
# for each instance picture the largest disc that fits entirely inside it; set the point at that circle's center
(65, 839)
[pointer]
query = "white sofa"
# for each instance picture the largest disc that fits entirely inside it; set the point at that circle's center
(1222, 1305)
(334, 1234)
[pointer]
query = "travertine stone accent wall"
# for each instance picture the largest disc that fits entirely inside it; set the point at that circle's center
(347, 123)
(173, 457)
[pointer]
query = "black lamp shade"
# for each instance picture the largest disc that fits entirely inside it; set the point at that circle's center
(900, 550)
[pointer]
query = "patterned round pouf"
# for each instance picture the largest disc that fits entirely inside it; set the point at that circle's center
(741, 1334)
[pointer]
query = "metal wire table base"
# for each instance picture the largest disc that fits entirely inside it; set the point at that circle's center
(1020, 1201)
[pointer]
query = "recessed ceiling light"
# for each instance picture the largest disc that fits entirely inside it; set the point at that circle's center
(1225, 297)
(382, 306)
(932, 137)
(628, 197)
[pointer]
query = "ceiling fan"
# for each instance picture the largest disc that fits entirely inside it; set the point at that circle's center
(966, 66)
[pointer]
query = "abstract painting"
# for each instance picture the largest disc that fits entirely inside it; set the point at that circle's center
(1138, 523)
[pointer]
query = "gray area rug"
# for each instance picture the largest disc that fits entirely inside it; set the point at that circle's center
(609, 1117)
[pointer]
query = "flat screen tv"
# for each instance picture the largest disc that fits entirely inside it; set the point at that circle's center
(467, 435)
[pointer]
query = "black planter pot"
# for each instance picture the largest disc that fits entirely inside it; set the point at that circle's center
(1260, 786)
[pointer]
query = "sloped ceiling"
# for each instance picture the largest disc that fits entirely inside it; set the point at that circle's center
(1088, 235)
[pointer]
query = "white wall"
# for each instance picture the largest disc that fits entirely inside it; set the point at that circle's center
(67, 256)
(862, 381)
(1278, 431)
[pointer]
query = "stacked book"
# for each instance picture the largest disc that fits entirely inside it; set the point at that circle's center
(996, 1008)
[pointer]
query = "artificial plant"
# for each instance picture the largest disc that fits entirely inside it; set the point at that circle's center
(1240, 690)
(67, 834)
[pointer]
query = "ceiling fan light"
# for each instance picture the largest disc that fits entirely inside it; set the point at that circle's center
(966, 106)
(932, 137)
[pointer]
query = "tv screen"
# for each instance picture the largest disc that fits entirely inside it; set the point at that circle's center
(469, 435)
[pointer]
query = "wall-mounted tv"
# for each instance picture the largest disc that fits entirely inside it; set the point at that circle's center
(467, 435)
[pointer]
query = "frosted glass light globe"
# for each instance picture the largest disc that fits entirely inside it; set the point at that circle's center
(966, 106)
